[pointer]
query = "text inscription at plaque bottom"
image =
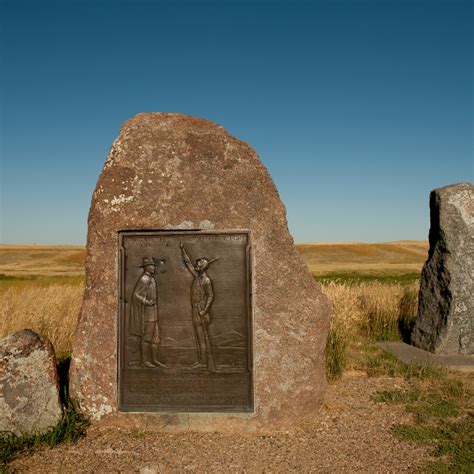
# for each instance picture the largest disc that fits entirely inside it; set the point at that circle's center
(185, 322)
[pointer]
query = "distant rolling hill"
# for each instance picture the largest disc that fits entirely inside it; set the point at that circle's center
(405, 256)
(48, 260)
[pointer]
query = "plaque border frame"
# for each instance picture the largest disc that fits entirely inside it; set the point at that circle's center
(250, 320)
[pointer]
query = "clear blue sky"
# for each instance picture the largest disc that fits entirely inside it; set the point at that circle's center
(357, 108)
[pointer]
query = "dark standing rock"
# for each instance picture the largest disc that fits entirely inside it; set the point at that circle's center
(29, 389)
(171, 171)
(446, 299)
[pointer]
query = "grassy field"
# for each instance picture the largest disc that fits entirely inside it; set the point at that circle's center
(373, 290)
(370, 260)
(41, 287)
(44, 260)
(323, 259)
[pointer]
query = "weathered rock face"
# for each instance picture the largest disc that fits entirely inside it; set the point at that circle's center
(445, 322)
(29, 390)
(170, 171)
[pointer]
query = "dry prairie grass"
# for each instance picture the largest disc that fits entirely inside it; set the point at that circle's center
(371, 310)
(51, 311)
(41, 260)
(49, 301)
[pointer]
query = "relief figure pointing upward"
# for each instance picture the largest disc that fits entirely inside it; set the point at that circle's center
(202, 296)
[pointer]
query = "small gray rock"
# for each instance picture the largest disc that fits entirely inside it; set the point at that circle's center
(446, 299)
(29, 388)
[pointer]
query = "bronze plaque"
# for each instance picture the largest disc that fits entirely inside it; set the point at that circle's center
(185, 322)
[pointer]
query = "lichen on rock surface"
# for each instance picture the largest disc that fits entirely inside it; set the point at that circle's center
(29, 389)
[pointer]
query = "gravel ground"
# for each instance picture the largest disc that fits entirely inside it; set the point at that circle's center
(352, 434)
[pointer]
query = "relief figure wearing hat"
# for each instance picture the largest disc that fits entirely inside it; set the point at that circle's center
(202, 297)
(144, 316)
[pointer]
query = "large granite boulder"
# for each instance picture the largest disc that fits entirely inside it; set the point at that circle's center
(171, 171)
(445, 323)
(29, 389)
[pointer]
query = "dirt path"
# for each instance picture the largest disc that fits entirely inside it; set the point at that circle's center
(352, 434)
